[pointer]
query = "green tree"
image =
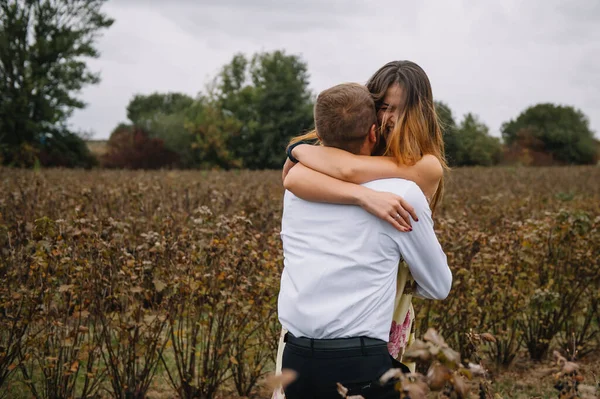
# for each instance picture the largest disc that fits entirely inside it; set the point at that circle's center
(163, 116)
(448, 126)
(269, 95)
(43, 46)
(198, 131)
(469, 143)
(475, 144)
(211, 129)
(142, 110)
(563, 132)
(170, 128)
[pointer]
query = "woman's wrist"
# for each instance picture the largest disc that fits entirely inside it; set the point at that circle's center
(297, 150)
(292, 151)
(358, 196)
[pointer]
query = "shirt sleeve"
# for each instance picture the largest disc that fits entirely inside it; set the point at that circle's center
(422, 251)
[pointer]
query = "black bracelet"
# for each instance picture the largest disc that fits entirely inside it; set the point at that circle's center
(291, 147)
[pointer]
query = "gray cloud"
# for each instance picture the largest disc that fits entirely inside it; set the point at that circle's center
(490, 58)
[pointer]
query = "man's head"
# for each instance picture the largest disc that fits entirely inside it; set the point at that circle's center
(345, 118)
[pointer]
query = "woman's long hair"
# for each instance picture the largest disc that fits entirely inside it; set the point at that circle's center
(417, 131)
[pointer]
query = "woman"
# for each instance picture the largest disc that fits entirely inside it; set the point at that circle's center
(411, 144)
(411, 147)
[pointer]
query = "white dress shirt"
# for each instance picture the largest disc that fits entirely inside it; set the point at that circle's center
(341, 265)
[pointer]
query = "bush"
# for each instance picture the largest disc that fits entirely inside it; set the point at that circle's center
(120, 281)
(66, 150)
(563, 132)
(130, 147)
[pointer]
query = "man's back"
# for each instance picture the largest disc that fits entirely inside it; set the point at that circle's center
(341, 264)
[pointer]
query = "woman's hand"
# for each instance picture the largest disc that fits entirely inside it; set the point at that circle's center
(389, 207)
(287, 166)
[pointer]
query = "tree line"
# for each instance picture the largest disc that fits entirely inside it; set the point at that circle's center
(243, 119)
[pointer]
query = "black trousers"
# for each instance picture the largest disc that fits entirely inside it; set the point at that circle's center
(357, 368)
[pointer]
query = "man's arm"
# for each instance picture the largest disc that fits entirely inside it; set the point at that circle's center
(422, 251)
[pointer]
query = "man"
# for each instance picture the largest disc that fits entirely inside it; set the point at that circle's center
(340, 267)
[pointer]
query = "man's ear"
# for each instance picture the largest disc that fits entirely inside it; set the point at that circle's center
(373, 134)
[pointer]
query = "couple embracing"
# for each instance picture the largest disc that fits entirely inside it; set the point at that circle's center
(355, 207)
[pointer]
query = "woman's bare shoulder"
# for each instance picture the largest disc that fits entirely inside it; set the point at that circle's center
(431, 167)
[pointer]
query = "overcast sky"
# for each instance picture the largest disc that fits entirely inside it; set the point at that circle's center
(492, 58)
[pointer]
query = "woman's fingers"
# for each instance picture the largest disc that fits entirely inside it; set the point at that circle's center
(404, 216)
(408, 208)
(391, 208)
(400, 218)
(401, 212)
(394, 222)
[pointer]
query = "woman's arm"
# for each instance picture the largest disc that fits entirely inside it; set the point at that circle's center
(311, 185)
(340, 164)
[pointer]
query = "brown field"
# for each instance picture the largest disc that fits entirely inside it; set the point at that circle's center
(158, 284)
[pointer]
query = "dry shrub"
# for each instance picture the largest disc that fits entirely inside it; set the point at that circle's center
(130, 147)
(113, 280)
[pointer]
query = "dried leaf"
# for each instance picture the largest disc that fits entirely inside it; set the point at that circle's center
(342, 390)
(83, 314)
(466, 373)
(476, 369)
(559, 358)
(287, 377)
(460, 386)
(159, 285)
(419, 350)
(451, 355)
(437, 376)
(415, 389)
(488, 337)
(390, 374)
(570, 367)
(432, 336)
(65, 288)
(275, 382)
(74, 366)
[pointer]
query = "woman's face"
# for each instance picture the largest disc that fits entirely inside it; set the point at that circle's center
(389, 112)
